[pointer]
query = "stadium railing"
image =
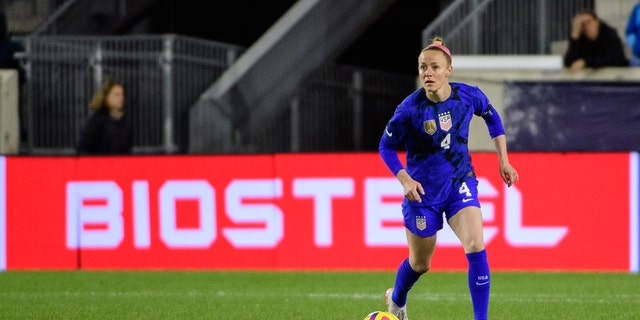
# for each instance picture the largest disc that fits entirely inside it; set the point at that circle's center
(504, 27)
(341, 109)
(163, 75)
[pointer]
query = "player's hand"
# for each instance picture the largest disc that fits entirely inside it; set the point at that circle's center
(412, 189)
(509, 174)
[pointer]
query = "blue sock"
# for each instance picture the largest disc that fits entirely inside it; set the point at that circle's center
(479, 284)
(405, 278)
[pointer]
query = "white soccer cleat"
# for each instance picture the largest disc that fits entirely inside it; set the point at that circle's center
(392, 307)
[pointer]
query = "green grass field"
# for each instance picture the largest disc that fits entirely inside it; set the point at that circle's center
(308, 295)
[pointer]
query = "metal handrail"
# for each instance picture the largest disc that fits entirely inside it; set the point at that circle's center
(46, 24)
(504, 27)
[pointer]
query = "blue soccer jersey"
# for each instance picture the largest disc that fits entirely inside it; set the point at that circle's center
(435, 136)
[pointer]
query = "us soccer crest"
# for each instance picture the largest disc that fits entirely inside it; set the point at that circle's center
(430, 127)
(421, 223)
(445, 121)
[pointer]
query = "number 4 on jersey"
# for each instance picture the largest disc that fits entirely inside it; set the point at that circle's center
(446, 142)
(464, 189)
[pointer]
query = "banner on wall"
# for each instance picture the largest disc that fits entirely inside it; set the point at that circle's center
(572, 116)
(302, 212)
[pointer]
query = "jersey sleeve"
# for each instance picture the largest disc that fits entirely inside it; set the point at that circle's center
(392, 137)
(491, 117)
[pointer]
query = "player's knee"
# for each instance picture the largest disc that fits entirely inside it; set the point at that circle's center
(473, 246)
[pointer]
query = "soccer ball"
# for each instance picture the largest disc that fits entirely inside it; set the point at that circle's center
(380, 315)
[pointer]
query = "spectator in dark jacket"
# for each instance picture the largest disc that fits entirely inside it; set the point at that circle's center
(593, 44)
(107, 130)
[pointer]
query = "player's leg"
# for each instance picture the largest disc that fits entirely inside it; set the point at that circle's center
(419, 262)
(420, 253)
(467, 225)
(422, 224)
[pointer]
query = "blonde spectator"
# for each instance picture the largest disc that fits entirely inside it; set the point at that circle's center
(107, 130)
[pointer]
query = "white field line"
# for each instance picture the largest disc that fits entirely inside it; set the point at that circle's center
(449, 297)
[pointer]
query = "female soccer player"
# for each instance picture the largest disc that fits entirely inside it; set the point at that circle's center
(433, 124)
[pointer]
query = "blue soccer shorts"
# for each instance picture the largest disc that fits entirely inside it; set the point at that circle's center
(425, 221)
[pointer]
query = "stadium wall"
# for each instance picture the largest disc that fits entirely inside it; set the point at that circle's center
(531, 92)
(570, 211)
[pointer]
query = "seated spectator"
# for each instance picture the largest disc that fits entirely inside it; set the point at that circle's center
(107, 130)
(633, 35)
(593, 44)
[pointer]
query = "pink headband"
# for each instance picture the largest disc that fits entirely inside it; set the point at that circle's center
(441, 47)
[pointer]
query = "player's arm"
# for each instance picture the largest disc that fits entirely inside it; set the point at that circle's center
(389, 142)
(507, 172)
(496, 131)
(388, 153)
(412, 189)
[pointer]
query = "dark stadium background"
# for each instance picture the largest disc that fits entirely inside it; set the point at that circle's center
(390, 43)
